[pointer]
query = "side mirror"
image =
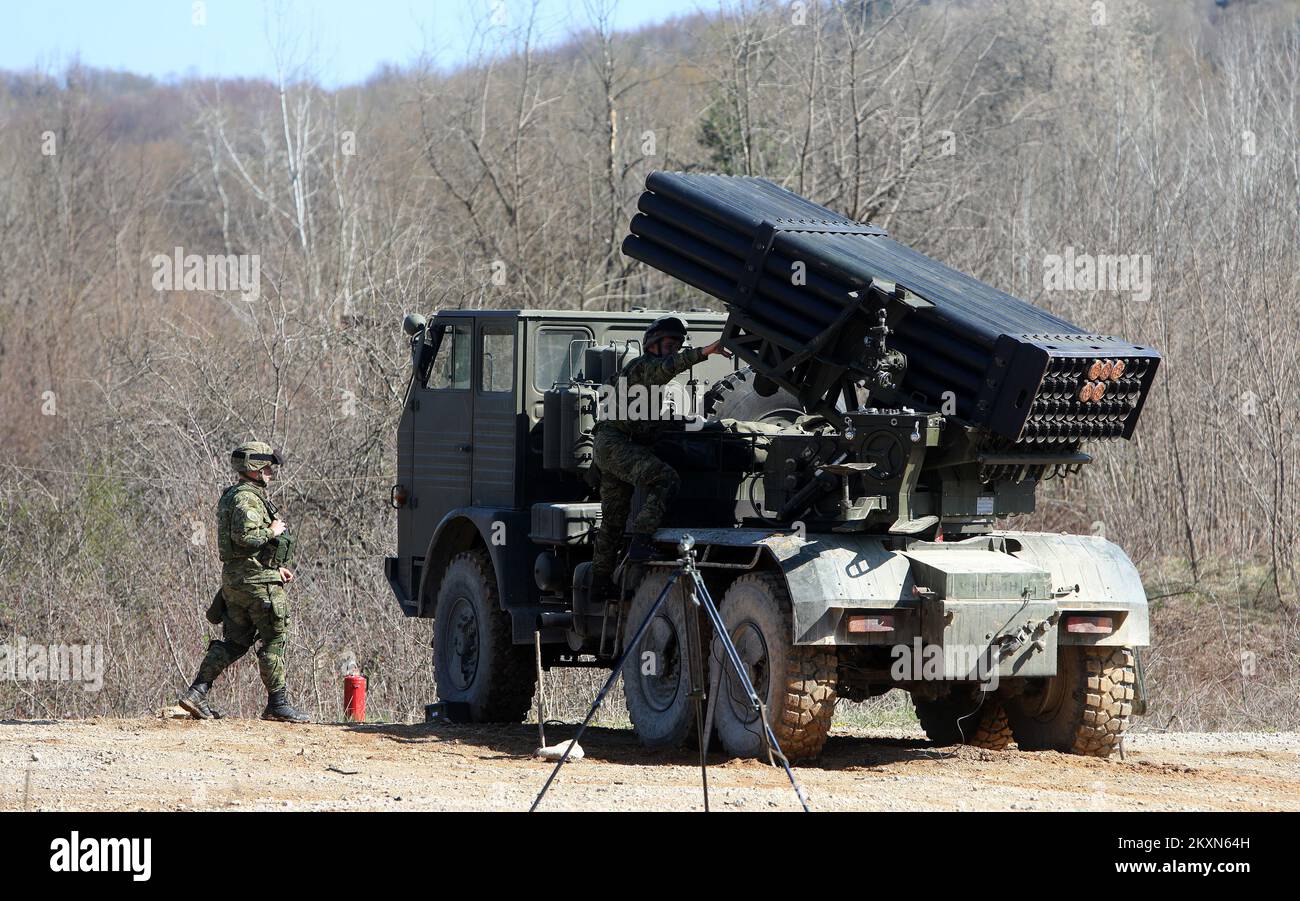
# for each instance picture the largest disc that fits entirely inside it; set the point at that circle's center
(413, 324)
(425, 343)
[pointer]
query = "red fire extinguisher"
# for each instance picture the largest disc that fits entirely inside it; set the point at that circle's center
(354, 698)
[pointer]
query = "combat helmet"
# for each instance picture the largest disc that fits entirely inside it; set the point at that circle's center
(664, 327)
(253, 456)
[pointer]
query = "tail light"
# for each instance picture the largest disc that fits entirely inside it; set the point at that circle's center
(859, 623)
(1091, 625)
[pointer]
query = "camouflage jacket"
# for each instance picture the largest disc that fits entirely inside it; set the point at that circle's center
(641, 420)
(244, 517)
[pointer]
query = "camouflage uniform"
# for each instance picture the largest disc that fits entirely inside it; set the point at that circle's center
(625, 459)
(256, 604)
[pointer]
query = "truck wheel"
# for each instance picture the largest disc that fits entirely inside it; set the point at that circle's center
(656, 684)
(1083, 709)
(795, 682)
(474, 660)
(963, 718)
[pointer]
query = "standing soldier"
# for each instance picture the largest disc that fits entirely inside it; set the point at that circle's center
(254, 551)
(623, 449)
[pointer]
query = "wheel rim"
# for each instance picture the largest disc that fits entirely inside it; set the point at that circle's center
(659, 674)
(461, 646)
(751, 646)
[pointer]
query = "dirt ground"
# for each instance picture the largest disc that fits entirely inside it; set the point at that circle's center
(159, 764)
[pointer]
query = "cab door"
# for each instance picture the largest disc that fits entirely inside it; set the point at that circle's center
(441, 448)
(497, 438)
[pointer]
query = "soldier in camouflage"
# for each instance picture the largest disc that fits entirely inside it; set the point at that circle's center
(252, 605)
(623, 450)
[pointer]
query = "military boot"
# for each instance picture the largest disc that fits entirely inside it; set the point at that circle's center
(193, 701)
(278, 708)
(639, 550)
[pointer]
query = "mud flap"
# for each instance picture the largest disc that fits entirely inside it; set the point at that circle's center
(1140, 695)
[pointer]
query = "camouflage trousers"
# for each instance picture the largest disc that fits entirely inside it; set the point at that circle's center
(624, 466)
(253, 611)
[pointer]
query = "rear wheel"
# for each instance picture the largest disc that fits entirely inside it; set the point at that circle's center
(656, 683)
(474, 660)
(795, 682)
(972, 718)
(1083, 709)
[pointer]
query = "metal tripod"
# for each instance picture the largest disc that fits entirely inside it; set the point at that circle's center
(699, 597)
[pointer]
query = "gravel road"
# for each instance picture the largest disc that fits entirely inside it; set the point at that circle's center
(170, 764)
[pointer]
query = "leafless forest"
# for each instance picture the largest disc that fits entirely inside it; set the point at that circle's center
(990, 135)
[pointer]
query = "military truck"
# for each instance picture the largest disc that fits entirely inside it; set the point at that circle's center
(846, 481)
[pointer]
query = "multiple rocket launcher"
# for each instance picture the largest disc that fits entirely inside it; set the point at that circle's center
(804, 286)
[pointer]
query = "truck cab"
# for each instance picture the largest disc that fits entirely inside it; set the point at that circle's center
(470, 443)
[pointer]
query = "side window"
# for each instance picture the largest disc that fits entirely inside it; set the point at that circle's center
(557, 358)
(497, 360)
(451, 368)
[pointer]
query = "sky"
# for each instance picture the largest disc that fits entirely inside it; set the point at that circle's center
(347, 40)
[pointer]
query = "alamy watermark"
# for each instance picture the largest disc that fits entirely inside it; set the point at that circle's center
(673, 402)
(920, 662)
(76, 854)
(1116, 273)
(24, 661)
(181, 271)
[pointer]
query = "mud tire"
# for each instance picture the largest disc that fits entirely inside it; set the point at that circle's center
(1083, 709)
(475, 661)
(795, 682)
